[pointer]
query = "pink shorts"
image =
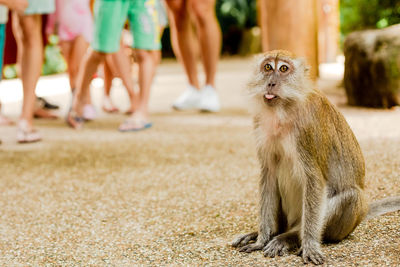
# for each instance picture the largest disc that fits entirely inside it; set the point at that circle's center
(71, 19)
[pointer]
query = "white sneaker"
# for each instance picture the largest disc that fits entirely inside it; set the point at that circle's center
(209, 99)
(190, 99)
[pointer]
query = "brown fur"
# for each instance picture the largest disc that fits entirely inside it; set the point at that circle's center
(312, 167)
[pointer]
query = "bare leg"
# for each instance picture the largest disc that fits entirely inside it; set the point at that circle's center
(209, 36)
(66, 51)
(108, 106)
(174, 36)
(108, 79)
(181, 20)
(120, 64)
(89, 67)
(17, 32)
(79, 48)
(31, 62)
(147, 61)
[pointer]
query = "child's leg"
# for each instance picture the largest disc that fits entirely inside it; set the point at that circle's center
(109, 20)
(147, 47)
(123, 68)
(107, 105)
(89, 67)
(147, 61)
(78, 50)
(31, 62)
(108, 78)
(66, 51)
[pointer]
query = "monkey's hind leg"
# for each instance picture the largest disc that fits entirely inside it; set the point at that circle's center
(282, 244)
(243, 240)
(344, 211)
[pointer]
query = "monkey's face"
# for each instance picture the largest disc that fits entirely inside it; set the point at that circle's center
(279, 79)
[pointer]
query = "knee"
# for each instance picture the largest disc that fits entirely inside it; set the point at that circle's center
(179, 13)
(97, 56)
(30, 36)
(143, 55)
(203, 11)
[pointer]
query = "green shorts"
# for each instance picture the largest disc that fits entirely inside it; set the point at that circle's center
(110, 17)
(40, 7)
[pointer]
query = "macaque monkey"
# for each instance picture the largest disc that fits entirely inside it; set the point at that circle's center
(312, 167)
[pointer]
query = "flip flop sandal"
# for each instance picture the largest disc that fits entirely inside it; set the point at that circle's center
(74, 121)
(145, 125)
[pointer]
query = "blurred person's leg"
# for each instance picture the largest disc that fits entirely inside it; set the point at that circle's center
(121, 66)
(89, 66)
(74, 51)
(17, 32)
(174, 36)
(41, 105)
(181, 22)
(109, 20)
(107, 104)
(147, 48)
(147, 61)
(31, 63)
(66, 47)
(209, 34)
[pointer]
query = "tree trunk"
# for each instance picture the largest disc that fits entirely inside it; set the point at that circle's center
(291, 25)
(328, 30)
(372, 68)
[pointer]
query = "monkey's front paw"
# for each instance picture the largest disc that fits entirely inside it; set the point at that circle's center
(276, 247)
(311, 253)
(252, 247)
(244, 239)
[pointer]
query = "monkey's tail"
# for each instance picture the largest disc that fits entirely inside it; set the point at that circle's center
(383, 206)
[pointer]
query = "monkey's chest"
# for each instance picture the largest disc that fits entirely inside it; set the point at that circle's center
(284, 161)
(291, 192)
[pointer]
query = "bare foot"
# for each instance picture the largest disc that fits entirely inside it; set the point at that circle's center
(42, 113)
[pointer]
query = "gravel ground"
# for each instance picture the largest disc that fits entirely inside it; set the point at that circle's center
(176, 194)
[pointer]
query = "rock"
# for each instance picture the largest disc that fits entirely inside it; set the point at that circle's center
(372, 67)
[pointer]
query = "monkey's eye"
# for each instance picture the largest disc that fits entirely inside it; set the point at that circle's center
(283, 68)
(268, 67)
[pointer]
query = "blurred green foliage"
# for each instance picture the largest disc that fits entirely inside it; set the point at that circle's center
(368, 14)
(53, 59)
(236, 13)
(235, 16)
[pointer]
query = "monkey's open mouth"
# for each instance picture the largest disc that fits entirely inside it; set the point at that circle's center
(269, 97)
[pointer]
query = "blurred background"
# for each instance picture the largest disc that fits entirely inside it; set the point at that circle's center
(240, 22)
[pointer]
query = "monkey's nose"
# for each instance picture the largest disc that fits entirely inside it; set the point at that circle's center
(271, 84)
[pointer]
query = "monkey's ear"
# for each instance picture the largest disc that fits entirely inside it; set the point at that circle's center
(306, 66)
